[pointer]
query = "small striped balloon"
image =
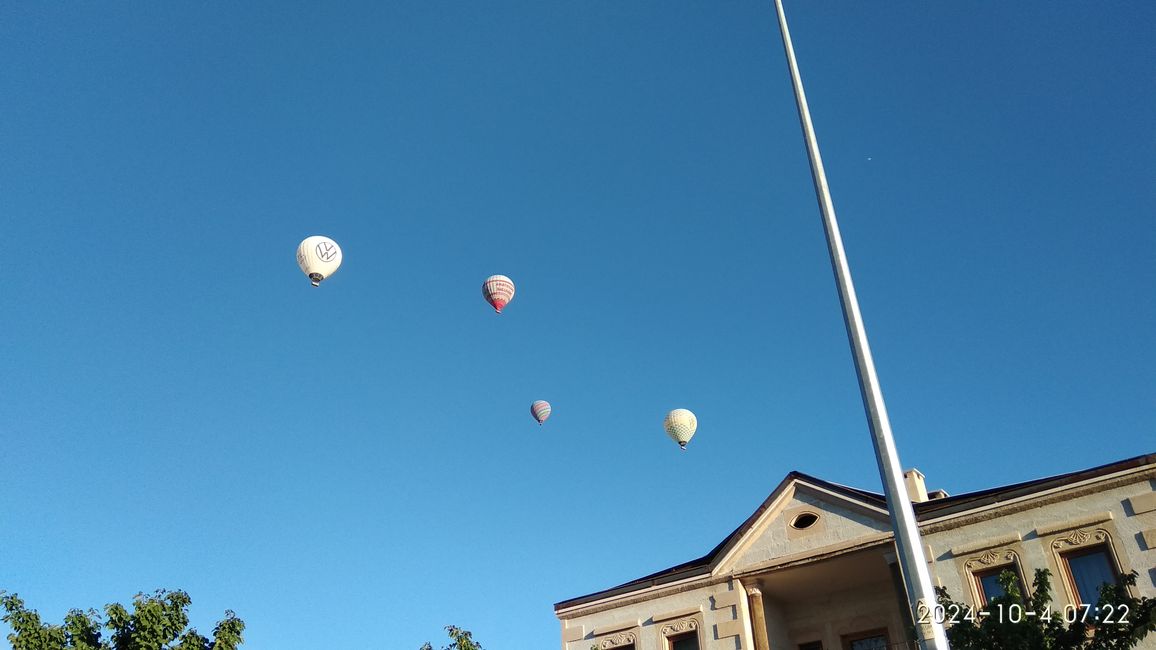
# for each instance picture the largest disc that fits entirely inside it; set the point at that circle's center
(540, 410)
(680, 425)
(498, 290)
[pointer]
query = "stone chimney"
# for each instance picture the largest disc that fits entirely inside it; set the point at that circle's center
(916, 488)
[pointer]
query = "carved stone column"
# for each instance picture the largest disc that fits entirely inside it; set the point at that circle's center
(758, 619)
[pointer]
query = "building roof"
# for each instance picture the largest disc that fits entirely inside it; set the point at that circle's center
(923, 511)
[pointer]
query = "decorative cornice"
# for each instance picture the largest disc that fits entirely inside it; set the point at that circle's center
(620, 639)
(1004, 556)
(679, 626)
(1081, 538)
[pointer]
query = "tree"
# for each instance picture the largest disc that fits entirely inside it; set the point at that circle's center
(462, 640)
(156, 622)
(1118, 621)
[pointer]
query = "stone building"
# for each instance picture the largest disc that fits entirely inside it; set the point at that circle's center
(813, 568)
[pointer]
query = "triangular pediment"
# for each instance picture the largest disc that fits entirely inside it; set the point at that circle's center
(824, 518)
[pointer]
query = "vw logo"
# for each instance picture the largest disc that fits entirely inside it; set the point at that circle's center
(326, 251)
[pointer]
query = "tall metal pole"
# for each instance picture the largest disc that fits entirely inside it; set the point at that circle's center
(912, 562)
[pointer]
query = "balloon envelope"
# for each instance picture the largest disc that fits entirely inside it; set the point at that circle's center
(319, 257)
(540, 410)
(498, 290)
(680, 425)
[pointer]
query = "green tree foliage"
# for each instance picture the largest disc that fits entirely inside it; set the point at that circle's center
(156, 622)
(1123, 620)
(461, 640)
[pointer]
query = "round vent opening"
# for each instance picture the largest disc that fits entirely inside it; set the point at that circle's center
(805, 520)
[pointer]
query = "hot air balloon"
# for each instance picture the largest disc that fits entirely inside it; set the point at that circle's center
(498, 290)
(680, 425)
(540, 410)
(319, 257)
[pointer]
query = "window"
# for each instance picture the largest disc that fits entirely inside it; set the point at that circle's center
(872, 640)
(804, 521)
(688, 641)
(1088, 569)
(987, 583)
(811, 645)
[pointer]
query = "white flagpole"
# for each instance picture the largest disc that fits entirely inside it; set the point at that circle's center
(912, 562)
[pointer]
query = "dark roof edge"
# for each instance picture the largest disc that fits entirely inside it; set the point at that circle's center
(971, 500)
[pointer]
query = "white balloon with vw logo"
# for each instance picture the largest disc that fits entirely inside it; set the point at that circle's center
(319, 257)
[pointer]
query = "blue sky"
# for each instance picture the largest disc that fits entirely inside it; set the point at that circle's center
(355, 466)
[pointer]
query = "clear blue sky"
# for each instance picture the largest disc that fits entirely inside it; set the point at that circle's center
(355, 466)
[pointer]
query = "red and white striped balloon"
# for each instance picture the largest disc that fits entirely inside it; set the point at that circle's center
(498, 290)
(540, 410)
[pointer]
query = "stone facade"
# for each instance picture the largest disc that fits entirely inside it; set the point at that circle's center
(814, 566)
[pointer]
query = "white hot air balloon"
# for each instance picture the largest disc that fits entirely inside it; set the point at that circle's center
(680, 425)
(319, 257)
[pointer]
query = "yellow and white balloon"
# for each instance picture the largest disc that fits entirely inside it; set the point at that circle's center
(680, 425)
